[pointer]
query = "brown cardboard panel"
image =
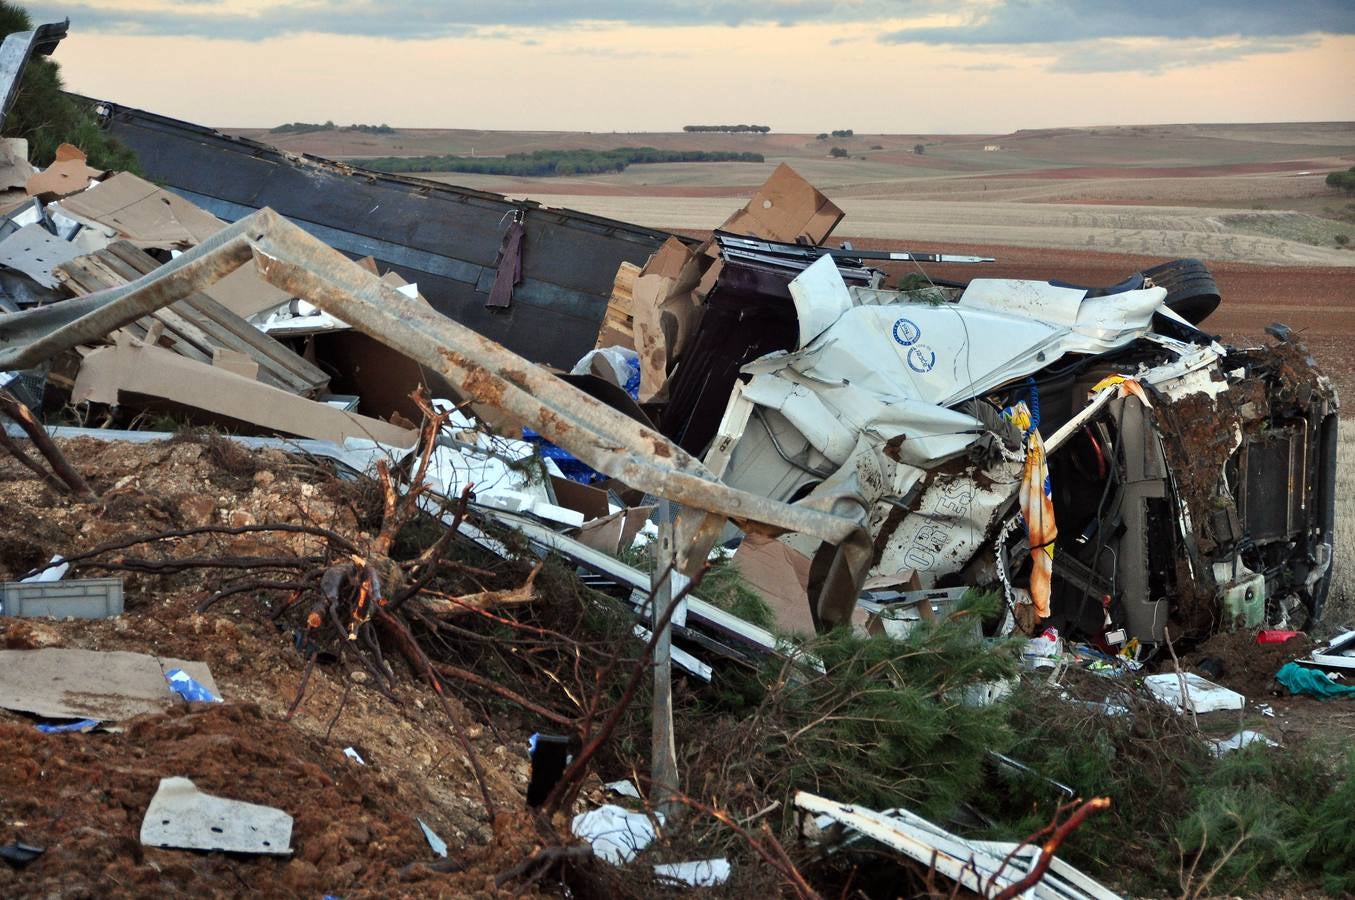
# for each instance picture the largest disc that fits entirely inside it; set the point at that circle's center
(669, 260)
(66, 176)
(582, 498)
(784, 208)
(612, 532)
(244, 293)
(130, 367)
(665, 313)
(241, 364)
(383, 378)
(142, 213)
(60, 683)
(781, 576)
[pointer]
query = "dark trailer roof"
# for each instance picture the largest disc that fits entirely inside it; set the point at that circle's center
(445, 238)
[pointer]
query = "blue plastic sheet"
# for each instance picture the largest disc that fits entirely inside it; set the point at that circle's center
(82, 725)
(181, 683)
(570, 466)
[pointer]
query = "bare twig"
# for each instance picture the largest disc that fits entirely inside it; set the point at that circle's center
(7, 443)
(574, 773)
(544, 859)
(1061, 832)
(421, 663)
(21, 414)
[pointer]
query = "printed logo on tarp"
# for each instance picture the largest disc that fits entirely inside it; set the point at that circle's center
(921, 358)
(906, 332)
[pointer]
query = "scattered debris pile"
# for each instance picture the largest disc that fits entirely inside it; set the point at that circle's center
(244, 466)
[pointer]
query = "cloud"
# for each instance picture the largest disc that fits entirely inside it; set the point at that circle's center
(1162, 56)
(1059, 21)
(424, 19)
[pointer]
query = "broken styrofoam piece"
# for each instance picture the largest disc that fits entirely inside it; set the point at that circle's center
(1244, 738)
(1203, 696)
(181, 683)
(182, 817)
(697, 873)
(54, 571)
(615, 834)
(438, 845)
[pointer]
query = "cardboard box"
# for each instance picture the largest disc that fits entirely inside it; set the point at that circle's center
(666, 314)
(786, 208)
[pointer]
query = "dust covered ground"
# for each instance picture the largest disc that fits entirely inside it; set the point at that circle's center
(82, 796)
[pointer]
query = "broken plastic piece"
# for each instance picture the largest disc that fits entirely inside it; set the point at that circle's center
(354, 755)
(181, 683)
(438, 844)
(182, 817)
(550, 754)
(81, 726)
(19, 854)
(624, 788)
(616, 834)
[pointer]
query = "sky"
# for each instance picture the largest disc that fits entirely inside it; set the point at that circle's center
(876, 66)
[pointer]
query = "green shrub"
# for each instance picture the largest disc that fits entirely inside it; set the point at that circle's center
(47, 117)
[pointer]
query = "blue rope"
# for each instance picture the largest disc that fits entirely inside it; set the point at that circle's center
(1034, 403)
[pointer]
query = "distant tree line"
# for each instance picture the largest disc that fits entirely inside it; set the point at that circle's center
(1343, 180)
(757, 129)
(841, 133)
(308, 127)
(545, 163)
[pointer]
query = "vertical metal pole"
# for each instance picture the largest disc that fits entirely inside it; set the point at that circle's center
(663, 750)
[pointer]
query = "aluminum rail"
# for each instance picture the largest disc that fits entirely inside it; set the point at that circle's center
(481, 369)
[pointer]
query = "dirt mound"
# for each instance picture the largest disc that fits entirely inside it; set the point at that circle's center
(82, 796)
(1248, 667)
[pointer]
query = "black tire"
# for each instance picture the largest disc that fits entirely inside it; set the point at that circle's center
(1191, 291)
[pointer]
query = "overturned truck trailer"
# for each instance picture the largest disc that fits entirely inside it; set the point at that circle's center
(456, 243)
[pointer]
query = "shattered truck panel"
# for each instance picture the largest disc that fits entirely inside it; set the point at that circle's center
(445, 238)
(1191, 484)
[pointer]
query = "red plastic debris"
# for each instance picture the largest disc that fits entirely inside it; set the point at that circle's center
(1276, 637)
